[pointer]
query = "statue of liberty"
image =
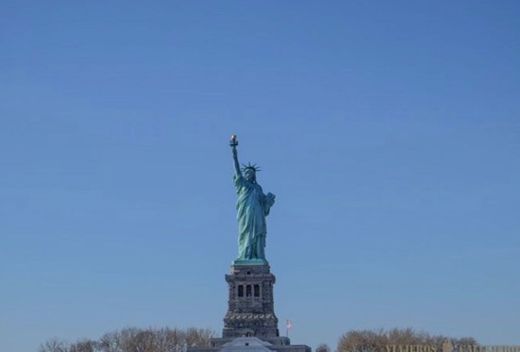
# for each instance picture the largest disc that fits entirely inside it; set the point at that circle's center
(252, 208)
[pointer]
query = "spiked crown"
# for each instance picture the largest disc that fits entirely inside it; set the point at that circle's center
(250, 166)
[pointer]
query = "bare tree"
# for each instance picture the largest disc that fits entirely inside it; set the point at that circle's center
(376, 340)
(136, 340)
(323, 348)
(54, 345)
(198, 337)
(84, 346)
(110, 342)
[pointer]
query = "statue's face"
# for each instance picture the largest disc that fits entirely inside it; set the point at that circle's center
(249, 174)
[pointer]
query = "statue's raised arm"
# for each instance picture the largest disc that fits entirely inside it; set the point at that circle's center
(234, 143)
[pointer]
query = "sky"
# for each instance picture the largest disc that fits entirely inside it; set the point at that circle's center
(388, 130)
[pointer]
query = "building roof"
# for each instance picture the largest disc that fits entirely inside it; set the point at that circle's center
(246, 344)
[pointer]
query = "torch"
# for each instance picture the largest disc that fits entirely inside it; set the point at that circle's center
(233, 142)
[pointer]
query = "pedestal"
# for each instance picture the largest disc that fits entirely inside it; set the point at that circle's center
(250, 323)
(250, 304)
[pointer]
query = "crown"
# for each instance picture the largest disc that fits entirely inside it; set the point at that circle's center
(250, 166)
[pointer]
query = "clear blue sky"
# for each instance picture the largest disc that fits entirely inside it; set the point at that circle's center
(389, 131)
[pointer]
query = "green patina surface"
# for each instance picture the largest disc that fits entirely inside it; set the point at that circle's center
(250, 262)
(253, 206)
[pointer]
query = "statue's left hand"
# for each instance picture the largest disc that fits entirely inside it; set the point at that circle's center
(268, 202)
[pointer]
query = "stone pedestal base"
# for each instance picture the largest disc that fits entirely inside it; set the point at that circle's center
(275, 341)
(250, 304)
(250, 323)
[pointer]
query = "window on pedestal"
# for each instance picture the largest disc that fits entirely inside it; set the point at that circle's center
(240, 290)
(256, 290)
(248, 291)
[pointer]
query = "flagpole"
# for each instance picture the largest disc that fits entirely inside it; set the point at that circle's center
(288, 326)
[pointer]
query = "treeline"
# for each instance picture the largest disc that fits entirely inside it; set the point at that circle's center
(135, 340)
(178, 340)
(377, 340)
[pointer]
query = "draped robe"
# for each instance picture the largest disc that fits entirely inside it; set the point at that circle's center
(252, 208)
